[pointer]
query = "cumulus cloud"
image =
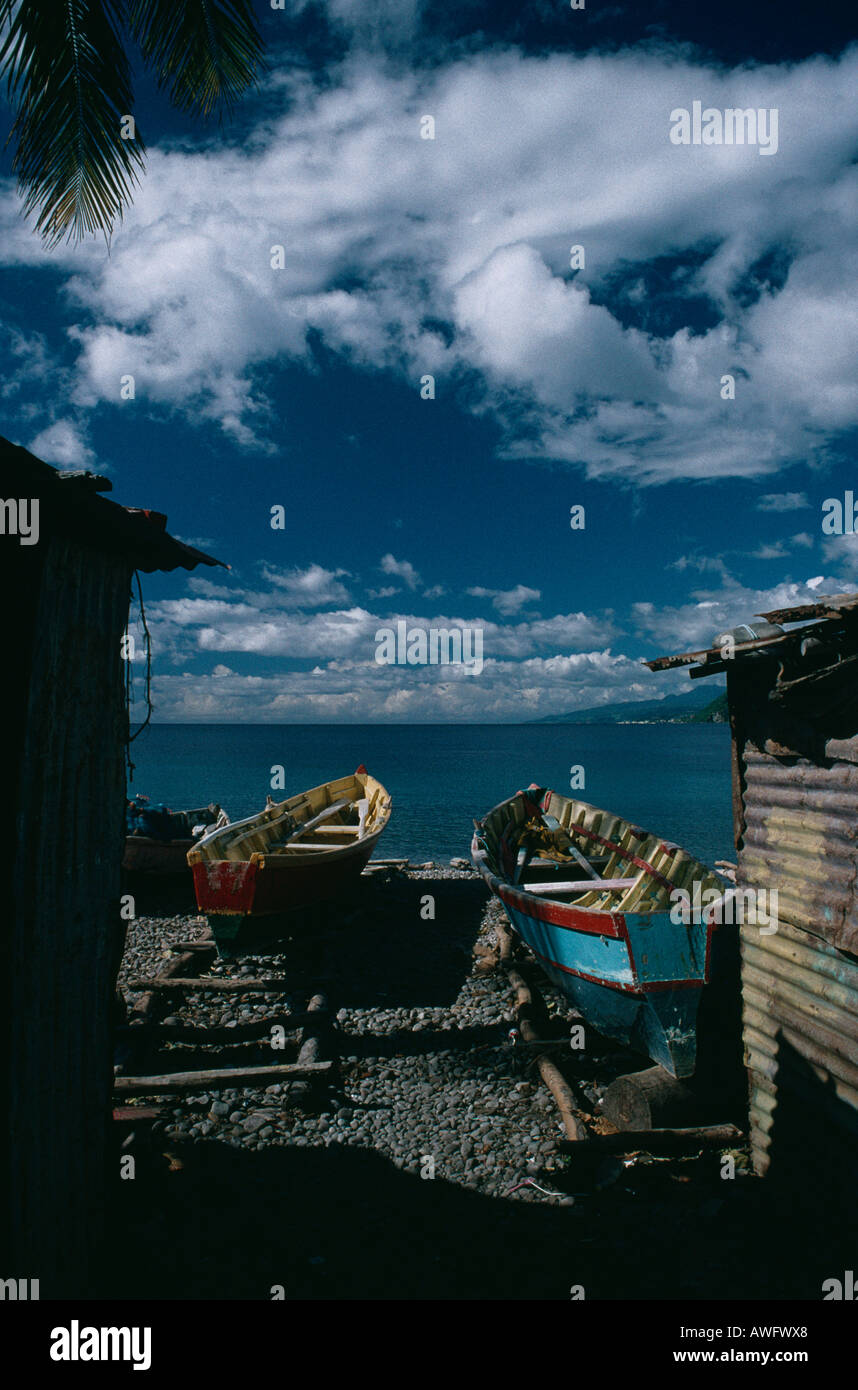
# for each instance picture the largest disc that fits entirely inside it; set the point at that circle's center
(314, 587)
(473, 230)
(508, 601)
(402, 569)
(320, 664)
(63, 443)
(357, 692)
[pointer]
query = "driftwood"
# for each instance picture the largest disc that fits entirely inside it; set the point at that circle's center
(230, 985)
(550, 1073)
(241, 1033)
(636, 1101)
(224, 1076)
(658, 1141)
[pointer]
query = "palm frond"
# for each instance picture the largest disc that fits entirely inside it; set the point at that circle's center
(69, 82)
(206, 52)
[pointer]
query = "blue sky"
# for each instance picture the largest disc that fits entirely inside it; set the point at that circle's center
(554, 386)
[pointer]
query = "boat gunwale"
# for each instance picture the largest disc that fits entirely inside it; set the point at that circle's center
(194, 857)
(567, 916)
(478, 853)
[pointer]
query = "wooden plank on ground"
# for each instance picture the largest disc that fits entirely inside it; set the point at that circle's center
(223, 1076)
(229, 985)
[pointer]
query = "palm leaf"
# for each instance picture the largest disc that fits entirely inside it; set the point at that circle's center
(207, 52)
(68, 79)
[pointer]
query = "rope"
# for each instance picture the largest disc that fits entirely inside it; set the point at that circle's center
(129, 690)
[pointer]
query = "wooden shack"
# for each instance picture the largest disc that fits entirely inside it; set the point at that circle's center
(793, 700)
(67, 558)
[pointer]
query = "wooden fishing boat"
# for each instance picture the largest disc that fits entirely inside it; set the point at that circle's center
(295, 853)
(159, 841)
(590, 894)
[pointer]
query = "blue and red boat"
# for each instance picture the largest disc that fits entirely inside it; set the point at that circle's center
(591, 895)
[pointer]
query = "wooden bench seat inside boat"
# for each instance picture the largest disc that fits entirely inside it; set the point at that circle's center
(580, 885)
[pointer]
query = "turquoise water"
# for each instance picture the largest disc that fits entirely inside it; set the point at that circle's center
(671, 778)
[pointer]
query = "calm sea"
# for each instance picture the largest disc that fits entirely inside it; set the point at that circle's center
(671, 778)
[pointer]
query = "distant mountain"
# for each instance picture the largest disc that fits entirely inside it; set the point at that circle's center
(693, 707)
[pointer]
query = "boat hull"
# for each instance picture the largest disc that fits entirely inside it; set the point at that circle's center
(262, 887)
(145, 856)
(635, 977)
(251, 883)
(657, 1018)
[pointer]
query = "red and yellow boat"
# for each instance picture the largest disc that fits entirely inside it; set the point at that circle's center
(293, 854)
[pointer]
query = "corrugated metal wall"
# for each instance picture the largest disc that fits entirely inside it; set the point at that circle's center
(801, 834)
(66, 930)
(800, 985)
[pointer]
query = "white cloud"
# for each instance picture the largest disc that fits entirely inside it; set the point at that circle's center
(474, 228)
(314, 587)
(508, 601)
(782, 502)
(64, 444)
(841, 552)
(403, 570)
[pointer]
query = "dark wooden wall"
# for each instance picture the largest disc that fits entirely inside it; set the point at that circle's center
(60, 933)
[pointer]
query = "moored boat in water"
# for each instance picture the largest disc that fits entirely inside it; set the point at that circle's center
(293, 854)
(590, 894)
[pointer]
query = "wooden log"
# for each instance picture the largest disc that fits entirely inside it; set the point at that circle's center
(317, 1011)
(224, 1076)
(311, 1043)
(637, 1100)
(229, 985)
(505, 940)
(575, 1129)
(149, 1006)
(659, 1141)
(137, 1114)
(241, 1033)
(194, 946)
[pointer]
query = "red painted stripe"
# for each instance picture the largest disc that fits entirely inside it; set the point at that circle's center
(637, 988)
(564, 915)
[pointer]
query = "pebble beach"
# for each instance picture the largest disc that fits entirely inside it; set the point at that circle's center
(432, 1087)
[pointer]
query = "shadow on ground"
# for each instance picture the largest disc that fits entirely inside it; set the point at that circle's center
(343, 1223)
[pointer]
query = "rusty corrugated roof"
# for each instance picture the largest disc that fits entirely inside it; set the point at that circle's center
(70, 503)
(827, 612)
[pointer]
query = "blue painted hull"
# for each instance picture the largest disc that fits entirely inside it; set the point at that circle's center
(634, 977)
(659, 1022)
